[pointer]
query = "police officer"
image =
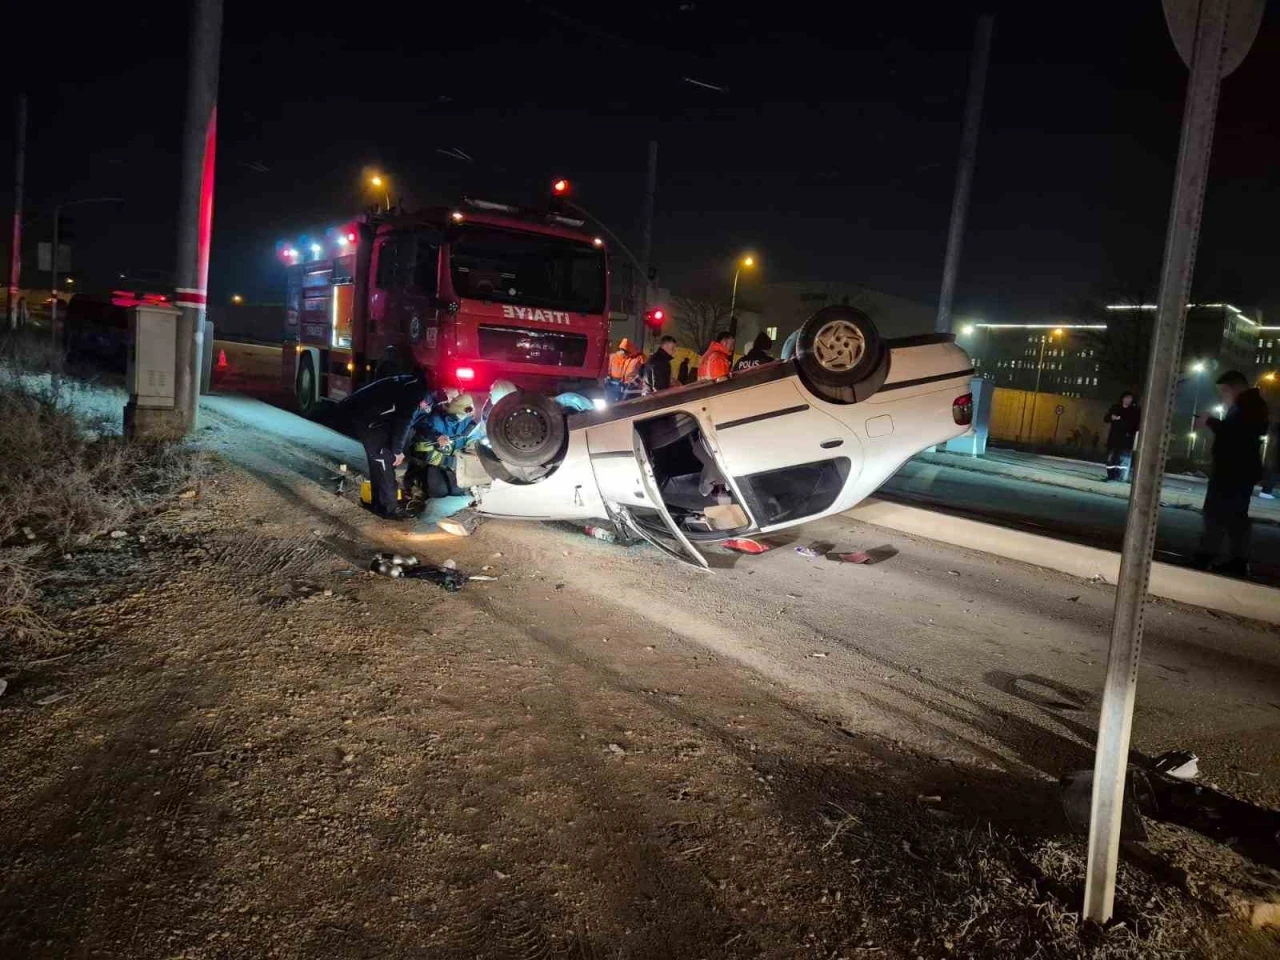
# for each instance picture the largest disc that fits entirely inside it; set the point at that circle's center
(382, 415)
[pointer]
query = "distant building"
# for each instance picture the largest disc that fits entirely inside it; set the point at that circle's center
(1064, 355)
(1103, 359)
(1267, 356)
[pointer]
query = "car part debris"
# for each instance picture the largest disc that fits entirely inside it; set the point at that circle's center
(461, 524)
(481, 577)
(860, 556)
(51, 699)
(451, 580)
(601, 533)
(1180, 764)
(809, 552)
(746, 545)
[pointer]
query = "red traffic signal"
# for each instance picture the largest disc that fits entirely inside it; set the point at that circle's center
(560, 188)
(654, 319)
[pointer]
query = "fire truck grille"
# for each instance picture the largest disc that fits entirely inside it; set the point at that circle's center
(546, 347)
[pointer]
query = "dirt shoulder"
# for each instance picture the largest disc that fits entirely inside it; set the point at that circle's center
(244, 745)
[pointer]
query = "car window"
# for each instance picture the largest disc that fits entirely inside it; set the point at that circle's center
(790, 493)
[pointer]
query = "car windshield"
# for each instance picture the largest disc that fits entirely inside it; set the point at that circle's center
(509, 266)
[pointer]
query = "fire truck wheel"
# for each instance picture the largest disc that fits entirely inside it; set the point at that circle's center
(839, 347)
(306, 386)
(527, 430)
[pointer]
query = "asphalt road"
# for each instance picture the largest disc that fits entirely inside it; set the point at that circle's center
(1076, 515)
(950, 651)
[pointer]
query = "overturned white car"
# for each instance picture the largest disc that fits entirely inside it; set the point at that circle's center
(756, 452)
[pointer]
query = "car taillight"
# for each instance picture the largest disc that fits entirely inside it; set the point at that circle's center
(962, 410)
(465, 374)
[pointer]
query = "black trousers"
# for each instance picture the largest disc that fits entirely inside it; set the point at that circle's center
(1226, 517)
(1118, 460)
(443, 482)
(382, 471)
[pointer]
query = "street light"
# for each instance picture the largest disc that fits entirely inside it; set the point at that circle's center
(745, 262)
(237, 299)
(1035, 396)
(1197, 368)
(968, 330)
(379, 182)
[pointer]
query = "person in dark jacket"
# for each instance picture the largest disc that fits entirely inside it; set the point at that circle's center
(658, 369)
(1123, 419)
(381, 416)
(685, 375)
(757, 355)
(1236, 467)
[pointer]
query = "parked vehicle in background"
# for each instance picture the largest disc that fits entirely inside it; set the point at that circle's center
(756, 452)
(468, 295)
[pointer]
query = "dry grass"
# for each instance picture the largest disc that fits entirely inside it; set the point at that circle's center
(66, 477)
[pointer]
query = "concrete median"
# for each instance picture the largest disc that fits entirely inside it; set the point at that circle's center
(1237, 597)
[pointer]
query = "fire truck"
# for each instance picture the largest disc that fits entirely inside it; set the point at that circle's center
(470, 294)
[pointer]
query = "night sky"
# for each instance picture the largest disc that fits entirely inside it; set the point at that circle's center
(830, 149)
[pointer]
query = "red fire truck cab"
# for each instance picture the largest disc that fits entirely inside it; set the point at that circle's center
(468, 295)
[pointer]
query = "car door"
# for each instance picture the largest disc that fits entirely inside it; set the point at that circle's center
(786, 455)
(627, 485)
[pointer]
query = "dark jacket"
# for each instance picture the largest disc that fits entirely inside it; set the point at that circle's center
(757, 355)
(1237, 440)
(390, 406)
(660, 370)
(1122, 430)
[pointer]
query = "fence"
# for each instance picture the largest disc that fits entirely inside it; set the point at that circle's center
(1019, 416)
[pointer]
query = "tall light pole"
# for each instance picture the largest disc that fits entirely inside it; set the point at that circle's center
(1197, 368)
(745, 262)
(15, 253)
(379, 182)
(1044, 341)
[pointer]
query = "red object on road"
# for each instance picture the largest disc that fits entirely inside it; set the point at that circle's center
(222, 360)
(745, 545)
(860, 557)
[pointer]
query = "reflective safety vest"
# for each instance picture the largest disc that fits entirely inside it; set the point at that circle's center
(715, 362)
(625, 367)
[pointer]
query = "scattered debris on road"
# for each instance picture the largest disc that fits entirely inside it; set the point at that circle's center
(51, 699)
(860, 556)
(808, 552)
(1182, 764)
(601, 533)
(396, 566)
(461, 524)
(745, 545)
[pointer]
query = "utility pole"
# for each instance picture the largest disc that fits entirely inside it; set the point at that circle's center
(15, 253)
(646, 237)
(1212, 37)
(964, 175)
(195, 206)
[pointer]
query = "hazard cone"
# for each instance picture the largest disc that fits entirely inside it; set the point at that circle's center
(222, 360)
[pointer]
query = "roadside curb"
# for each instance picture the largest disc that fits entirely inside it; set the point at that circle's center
(1237, 597)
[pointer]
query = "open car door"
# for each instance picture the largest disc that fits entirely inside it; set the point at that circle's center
(617, 473)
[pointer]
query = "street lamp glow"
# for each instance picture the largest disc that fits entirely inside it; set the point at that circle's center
(1057, 331)
(70, 280)
(376, 180)
(968, 329)
(1198, 367)
(745, 262)
(1269, 377)
(237, 299)
(748, 261)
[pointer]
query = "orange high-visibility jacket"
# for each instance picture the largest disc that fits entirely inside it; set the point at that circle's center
(715, 362)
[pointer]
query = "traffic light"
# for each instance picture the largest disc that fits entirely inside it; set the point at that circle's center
(655, 318)
(561, 187)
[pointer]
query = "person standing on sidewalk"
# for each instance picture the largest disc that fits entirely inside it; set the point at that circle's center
(1236, 467)
(1124, 417)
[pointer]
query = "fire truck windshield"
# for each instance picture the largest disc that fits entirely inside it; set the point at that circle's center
(533, 269)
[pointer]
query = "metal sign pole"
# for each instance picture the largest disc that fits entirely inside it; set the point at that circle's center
(1116, 720)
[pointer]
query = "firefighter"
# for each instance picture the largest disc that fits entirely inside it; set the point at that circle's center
(382, 415)
(625, 366)
(450, 431)
(718, 359)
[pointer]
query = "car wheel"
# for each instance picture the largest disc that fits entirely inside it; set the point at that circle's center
(306, 386)
(839, 347)
(526, 430)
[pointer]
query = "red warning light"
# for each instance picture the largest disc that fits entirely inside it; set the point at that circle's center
(351, 237)
(560, 188)
(653, 319)
(465, 373)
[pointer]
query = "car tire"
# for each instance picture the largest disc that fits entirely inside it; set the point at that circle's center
(839, 347)
(527, 430)
(305, 387)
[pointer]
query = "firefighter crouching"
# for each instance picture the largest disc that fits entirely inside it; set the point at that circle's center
(439, 438)
(625, 367)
